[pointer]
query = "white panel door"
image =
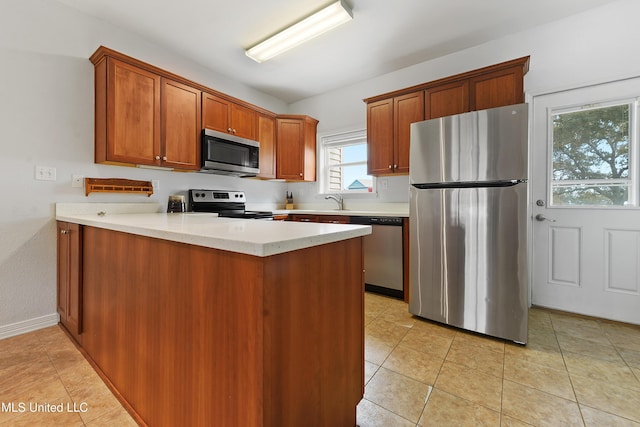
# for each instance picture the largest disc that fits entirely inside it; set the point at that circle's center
(584, 189)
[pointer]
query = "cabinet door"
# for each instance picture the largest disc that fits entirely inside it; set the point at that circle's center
(215, 113)
(63, 270)
(181, 126)
(497, 89)
(290, 150)
(243, 121)
(303, 218)
(380, 137)
(334, 219)
(226, 116)
(70, 277)
(407, 109)
(133, 114)
(267, 139)
(447, 99)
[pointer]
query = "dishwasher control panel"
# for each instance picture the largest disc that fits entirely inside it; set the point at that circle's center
(376, 220)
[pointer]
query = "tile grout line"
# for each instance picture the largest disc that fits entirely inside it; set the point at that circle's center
(430, 387)
(566, 367)
(66, 388)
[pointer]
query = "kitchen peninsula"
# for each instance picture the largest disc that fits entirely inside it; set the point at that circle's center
(198, 320)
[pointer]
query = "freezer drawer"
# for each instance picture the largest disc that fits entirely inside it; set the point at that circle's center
(468, 258)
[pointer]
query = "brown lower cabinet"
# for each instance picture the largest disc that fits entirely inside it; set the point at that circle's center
(345, 219)
(329, 219)
(188, 335)
(69, 280)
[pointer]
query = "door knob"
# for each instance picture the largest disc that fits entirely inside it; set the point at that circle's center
(541, 217)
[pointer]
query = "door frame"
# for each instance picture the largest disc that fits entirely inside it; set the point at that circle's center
(529, 98)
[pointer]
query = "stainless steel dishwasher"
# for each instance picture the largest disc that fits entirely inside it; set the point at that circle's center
(383, 266)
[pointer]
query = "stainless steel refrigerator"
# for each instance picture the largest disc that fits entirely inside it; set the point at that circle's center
(468, 221)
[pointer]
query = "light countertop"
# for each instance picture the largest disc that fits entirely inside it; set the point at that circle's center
(344, 212)
(251, 237)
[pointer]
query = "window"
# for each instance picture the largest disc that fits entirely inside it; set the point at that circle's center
(344, 164)
(592, 158)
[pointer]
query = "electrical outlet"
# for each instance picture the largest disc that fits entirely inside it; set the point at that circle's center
(384, 183)
(155, 183)
(77, 181)
(45, 173)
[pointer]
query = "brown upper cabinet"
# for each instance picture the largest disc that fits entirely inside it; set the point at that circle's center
(296, 147)
(267, 138)
(226, 116)
(388, 123)
(127, 122)
(143, 118)
(145, 115)
(180, 120)
(389, 115)
(498, 88)
(446, 99)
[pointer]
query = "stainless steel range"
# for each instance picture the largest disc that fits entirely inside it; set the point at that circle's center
(229, 204)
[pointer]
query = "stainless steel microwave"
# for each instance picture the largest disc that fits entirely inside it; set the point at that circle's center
(227, 154)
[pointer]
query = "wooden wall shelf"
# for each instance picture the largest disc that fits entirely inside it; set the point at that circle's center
(117, 185)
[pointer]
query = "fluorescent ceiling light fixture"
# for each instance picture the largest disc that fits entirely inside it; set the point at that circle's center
(335, 14)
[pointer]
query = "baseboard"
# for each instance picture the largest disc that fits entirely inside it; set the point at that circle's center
(393, 293)
(30, 325)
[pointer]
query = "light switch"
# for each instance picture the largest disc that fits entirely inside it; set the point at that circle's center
(45, 173)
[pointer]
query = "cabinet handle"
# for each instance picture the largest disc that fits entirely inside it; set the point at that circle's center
(164, 158)
(390, 167)
(157, 157)
(395, 166)
(234, 131)
(300, 173)
(64, 232)
(229, 130)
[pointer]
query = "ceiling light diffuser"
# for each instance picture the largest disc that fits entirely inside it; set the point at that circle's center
(335, 14)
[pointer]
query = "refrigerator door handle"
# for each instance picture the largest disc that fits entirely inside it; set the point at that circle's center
(472, 184)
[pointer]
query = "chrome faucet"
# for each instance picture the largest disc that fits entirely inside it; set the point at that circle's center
(338, 199)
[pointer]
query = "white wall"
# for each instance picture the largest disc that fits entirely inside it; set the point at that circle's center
(46, 119)
(596, 46)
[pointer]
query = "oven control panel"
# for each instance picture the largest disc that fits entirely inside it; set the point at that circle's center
(216, 196)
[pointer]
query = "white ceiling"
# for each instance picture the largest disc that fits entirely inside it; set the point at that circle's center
(384, 35)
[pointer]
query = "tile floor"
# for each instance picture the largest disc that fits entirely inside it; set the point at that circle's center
(44, 367)
(574, 371)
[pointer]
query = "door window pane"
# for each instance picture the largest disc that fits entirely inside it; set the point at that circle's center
(590, 157)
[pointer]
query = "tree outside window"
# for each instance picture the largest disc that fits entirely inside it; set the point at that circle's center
(591, 156)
